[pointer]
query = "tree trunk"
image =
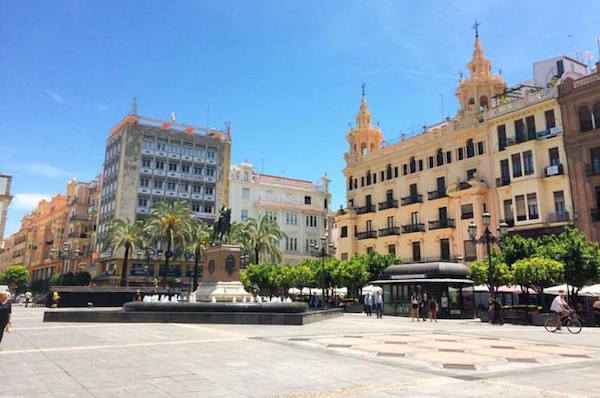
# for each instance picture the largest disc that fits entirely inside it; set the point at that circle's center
(195, 282)
(124, 268)
(167, 257)
(256, 253)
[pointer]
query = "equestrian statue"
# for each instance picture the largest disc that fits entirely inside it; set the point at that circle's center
(222, 226)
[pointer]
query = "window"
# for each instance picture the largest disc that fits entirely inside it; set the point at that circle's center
(197, 189)
(585, 119)
(519, 130)
(158, 184)
(413, 190)
(441, 185)
(595, 158)
(208, 209)
(368, 178)
(480, 148)
(470, 148)
(471, 174)
(209, 190)
(311, 221)
(392, 250)
(374, 178)
(210, 172)
(508, 211)
(245, 193)
(368, 201)
(413, 165)
(388, 172)
(307, 200)
(516, 164)
(449, 157)
(444, 249)
(597, 114)
(174, 148)
(396, 172)
(369, 225)
(362, 181)
(188, 150)
(414, 218)
(550, 122)
(197, 170)
(344, 232)
(430, 159)
(291, 218)
(244, 215)
(439, 158)
(532, 206)
(159, 165)
(146, 163)
(382, 175)
(390, 222)
(171, 186)
(521, 212)
(144, 182)
(504, 172)
(528, 162)
(185, 168)
(420, 164)
(554, 156)
(161, 146)
(559, 202)
(501, 130)
(344, 256)
(291, 244)
(461, 154)
(325, 203)
(404, 169)
(466, 211)
(416, 249)
(184, 187)
(530, 122)
(470, 250)
(142, 202)
(271, 215)
(148, 143)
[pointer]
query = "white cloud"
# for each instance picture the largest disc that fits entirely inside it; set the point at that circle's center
(55, 96)
(42, 169)
(27, 201)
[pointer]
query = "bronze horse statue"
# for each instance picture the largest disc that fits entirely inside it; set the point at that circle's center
(223, 225)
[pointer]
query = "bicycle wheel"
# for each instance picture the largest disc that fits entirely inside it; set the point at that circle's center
(574, 326)
(550, 324)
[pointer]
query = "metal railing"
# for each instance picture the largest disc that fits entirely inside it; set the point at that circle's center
(439, 224)
(431, 195)
(365, 209)
(407, 229)
(366, 235)
(502, 181)
(554, 170)
(389, 231)
(508, 221)
(388, 204)
(559, 217)
(527, 100)
(409, 200)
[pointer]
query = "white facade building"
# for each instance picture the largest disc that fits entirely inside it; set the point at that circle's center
(300, 207)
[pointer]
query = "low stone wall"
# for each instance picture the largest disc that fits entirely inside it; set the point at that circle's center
(277, 308)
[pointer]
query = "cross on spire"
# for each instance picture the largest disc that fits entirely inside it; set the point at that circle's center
(363, 89)
(476, 27)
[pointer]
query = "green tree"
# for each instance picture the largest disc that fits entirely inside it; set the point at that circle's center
(500, 275)
(517, 247)
(537, 273)
(284, 275)
(303, 275)
(123, 234)
(377, 263)
(55, 279)
(238, 235)
(199, 239)
(263, 236)
(16, 275)
(261, 278)
(581, 258)
(170, 222)
(352, 274)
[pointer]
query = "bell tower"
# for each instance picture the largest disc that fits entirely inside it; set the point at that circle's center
(476, 91)
(363, 138)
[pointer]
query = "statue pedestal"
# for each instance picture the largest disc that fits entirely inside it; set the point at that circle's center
(221, 275)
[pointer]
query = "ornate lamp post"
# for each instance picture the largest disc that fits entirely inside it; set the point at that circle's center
(325, 251)
(487, 238)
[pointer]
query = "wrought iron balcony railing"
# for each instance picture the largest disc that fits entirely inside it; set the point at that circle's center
(554, 170)
(502, 181)
(365, 209)
(437, 194)
(366, 235)
(409, 200)
(389, 231)
(559, 217)
(439, 224)
(407, 229)
(388, 204)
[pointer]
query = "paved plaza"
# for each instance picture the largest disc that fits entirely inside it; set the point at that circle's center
(350, 356)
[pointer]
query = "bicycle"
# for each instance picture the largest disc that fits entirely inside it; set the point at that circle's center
(553, 322)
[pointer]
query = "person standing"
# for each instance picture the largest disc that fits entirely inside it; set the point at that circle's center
(379, 304)
(369, 304)
(415, 308)
(28, 296)
(432, 309)
(5, 314)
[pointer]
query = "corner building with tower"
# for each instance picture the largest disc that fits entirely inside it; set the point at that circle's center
(502, 154)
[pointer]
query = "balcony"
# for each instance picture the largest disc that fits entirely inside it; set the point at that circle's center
(527, 100)
(388, 204)
(389, 231)
(366, 235)
(409, 200)
(502, 181)
(407, 229)
(559, 217)
(431, 195)
(595, 213)
(439, 224)
(510, 222)
(554, 170)
(593, 169)
(365, 209)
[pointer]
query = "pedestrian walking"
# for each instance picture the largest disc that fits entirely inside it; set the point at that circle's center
(28, 296)
(378, 299)
(423, 307)
(55, 298)
(432, 309)
(414, 301)
(5, 314)
(369, 304)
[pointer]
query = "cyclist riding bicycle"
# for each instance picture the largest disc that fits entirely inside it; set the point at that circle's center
(560, 308)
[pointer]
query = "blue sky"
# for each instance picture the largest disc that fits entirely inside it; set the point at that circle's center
(287, 74)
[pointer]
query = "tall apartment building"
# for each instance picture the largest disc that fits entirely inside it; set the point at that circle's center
(148, 161)
(5, 199)
(300, 207)
(580, 105)
(416, 197)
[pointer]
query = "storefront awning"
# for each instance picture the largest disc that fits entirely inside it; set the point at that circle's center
(421, 280)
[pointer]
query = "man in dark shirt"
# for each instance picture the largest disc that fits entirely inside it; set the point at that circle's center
(5, 313)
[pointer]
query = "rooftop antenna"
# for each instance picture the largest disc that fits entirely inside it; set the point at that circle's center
(133, 110)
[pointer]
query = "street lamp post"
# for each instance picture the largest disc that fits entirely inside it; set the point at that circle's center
(488, 238)
(326, 250)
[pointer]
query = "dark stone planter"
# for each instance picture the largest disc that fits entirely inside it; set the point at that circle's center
(274, 308)
(354, 308)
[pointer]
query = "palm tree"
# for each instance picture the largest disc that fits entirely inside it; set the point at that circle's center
(238, 235)
(172, 222)
(264, 236)
(199, 239)
(123, 233)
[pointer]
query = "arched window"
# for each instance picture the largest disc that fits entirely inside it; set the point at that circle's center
(363, 149)
(597, 115)
(470, 148)
(439, 157)
(585, 119)
(483, 102)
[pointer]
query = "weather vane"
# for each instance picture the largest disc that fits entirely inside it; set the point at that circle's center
(476, 27)
(363, 89)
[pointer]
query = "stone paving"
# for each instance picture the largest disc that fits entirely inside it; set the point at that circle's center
(350, 356)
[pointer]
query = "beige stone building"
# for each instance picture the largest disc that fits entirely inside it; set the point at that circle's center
(416, 197)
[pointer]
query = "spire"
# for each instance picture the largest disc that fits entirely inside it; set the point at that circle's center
(479, 65)
(363, 118)
(133, 110)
